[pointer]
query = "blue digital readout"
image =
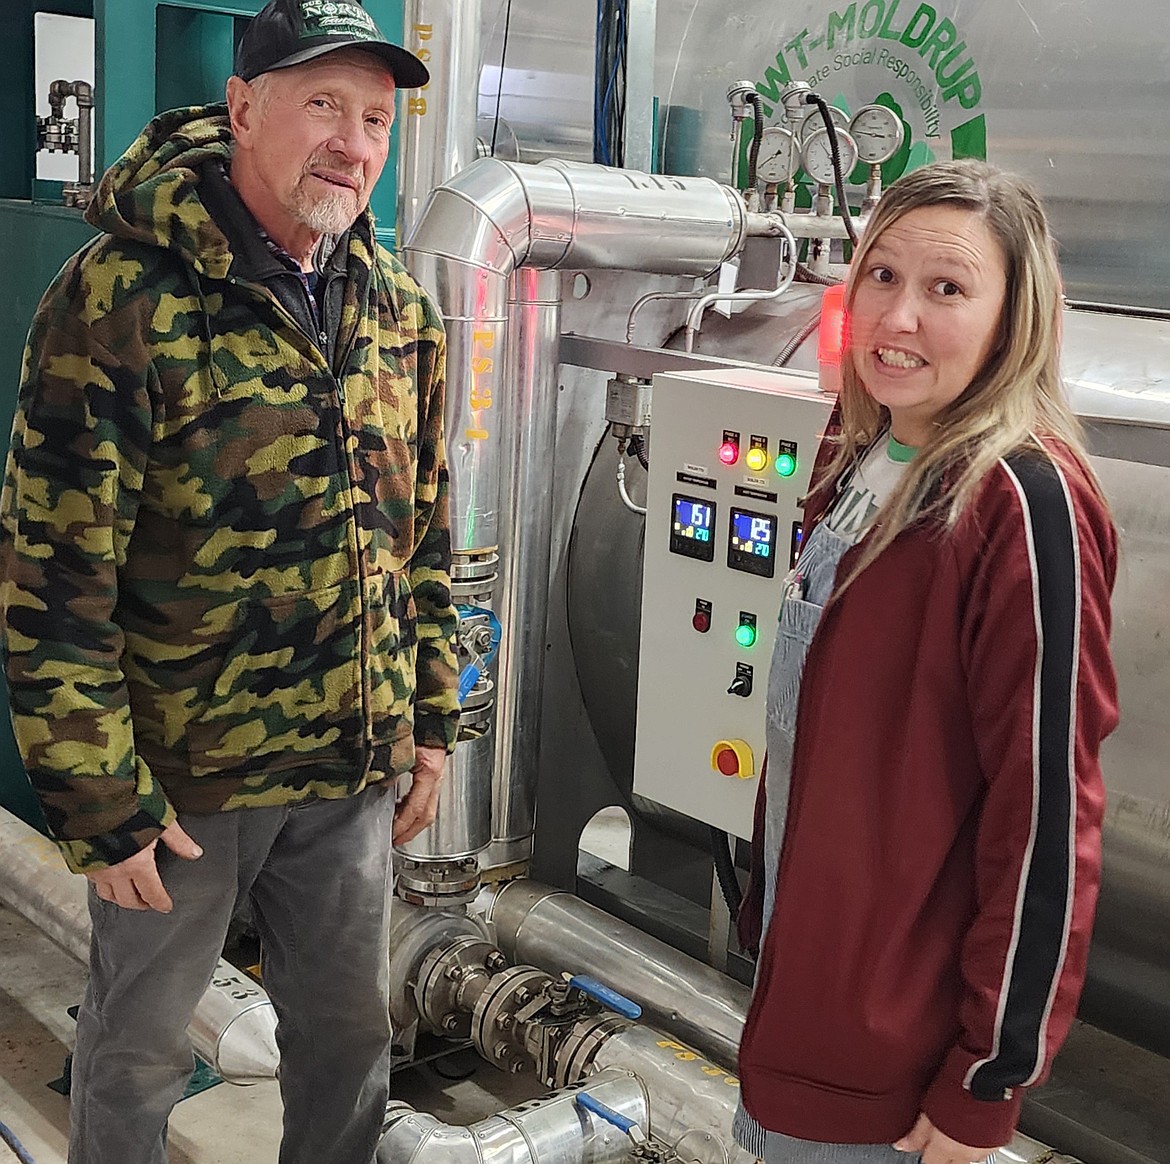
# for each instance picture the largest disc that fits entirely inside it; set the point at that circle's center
(692, 519)
(752, 534)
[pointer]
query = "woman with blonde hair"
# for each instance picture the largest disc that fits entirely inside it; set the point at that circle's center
(927, 845)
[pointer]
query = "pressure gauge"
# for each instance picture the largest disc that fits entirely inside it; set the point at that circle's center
(878, 132)
(778, 155)
(815, 121)
(816, 154)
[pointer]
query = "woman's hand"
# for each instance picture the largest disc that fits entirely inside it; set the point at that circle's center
(937, 1147)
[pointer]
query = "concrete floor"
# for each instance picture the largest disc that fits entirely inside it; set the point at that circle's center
(227, 1124)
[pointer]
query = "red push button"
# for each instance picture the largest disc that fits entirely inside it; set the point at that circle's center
(733, 758)
(701, 620)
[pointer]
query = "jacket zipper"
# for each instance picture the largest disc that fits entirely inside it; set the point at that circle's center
(320, 343)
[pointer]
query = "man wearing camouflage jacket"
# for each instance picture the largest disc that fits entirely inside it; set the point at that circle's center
(226, 601)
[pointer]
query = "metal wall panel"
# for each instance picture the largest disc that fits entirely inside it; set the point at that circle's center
(1073, 93)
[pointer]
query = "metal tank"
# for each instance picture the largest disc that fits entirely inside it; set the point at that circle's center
(1071, 93)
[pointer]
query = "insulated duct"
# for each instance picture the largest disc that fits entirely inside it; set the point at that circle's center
(553, 1130)
(494, 217)
(530, 379)
(234, 1026)
(477, 231)
(558, 931)
(437, 128)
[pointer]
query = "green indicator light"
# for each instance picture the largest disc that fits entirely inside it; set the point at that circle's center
(745, 635)
(785, 464)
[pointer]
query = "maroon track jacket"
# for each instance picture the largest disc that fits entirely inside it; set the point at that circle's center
(941, 859)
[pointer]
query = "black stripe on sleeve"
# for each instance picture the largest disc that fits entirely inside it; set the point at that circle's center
(1044, 908)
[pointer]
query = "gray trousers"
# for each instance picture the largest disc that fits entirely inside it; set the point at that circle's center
(317, 876)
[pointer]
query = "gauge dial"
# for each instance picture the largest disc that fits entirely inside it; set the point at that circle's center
(778, 155)
(878, 132)
(816, 154)
(815, 121)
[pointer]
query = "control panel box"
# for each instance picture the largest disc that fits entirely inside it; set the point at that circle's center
(731, 456)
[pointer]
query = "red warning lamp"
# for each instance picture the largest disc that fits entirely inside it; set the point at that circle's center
(831, 341)
(729, 452)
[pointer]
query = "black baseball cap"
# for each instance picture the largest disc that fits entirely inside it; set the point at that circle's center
(290, 32)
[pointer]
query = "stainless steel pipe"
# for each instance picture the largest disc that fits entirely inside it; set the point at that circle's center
(234, 1026)
(687, 1094)
(557, 931)
(548, 1131)
(462, 824)
(502, 215)
(436, 129)
(526, 503)
(477, 230)
(473, 303)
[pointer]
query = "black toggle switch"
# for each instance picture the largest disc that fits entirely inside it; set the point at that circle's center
(741, 685)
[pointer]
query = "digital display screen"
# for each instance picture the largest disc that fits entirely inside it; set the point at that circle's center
(751, 542)
(751, 534)
(693, 519)
(692, 530)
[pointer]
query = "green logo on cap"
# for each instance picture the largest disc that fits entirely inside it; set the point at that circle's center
(336, 18)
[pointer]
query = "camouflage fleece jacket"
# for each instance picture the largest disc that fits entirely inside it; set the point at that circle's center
(224, 564)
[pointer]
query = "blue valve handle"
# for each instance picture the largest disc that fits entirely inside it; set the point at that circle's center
(467, 680)
(471, 673)
(599, 992)
(587, 1103)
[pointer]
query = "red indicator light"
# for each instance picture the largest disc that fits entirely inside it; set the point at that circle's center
(831, 340)
(729, 452)
(701, 621)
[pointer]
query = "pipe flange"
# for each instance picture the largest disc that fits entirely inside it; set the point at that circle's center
(474, 567)
(587, 1037)
(439, 883)
(450, 981)
(493, 1022)
(478, 703)
(480, 590)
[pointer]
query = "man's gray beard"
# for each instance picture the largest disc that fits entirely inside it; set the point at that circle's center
(328, 214)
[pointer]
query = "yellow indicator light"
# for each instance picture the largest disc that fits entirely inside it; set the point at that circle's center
(756, 459)
(785, 464)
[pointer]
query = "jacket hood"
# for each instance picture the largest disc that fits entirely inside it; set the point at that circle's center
(150, 194)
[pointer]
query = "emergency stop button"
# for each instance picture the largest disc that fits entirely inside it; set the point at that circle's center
(733, 758)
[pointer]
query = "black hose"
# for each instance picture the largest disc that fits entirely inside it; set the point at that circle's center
(638, 448)
(757, 136)
(789, 349)
(842, 204)
(725, 870)
(806, 274)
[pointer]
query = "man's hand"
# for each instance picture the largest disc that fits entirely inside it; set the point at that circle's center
(937, 1147)
(417, 809)
(135, 883)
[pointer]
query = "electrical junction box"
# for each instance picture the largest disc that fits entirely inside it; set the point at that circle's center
(731, 456)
